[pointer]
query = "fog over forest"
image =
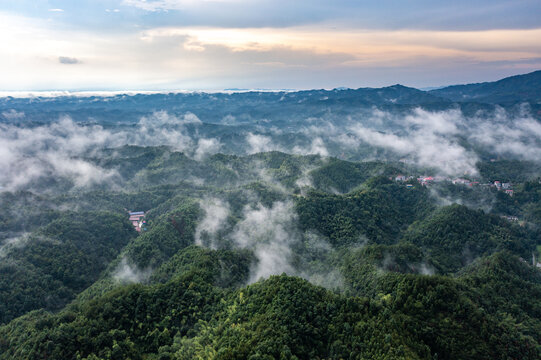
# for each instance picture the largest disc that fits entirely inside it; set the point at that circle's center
(318, 224)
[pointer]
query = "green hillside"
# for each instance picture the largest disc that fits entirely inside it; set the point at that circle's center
(271, 256)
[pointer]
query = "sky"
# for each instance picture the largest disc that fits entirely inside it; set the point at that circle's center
(263, 44)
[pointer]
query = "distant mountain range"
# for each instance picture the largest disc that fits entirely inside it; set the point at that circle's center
(281, 106)
(512, 89)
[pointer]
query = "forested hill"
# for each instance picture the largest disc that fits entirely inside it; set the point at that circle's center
(512, 89)
(388, 223)
(272, 256)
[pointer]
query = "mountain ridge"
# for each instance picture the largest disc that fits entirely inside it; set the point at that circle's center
(523, 87)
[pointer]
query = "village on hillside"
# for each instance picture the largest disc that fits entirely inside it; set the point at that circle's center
(429, 180)
(137, 220)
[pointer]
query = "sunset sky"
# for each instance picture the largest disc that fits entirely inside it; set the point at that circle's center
(274, 44)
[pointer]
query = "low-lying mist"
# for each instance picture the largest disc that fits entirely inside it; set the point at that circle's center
(448, 141)
(272, 233)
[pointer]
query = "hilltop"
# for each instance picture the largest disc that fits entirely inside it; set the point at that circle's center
(513, 89)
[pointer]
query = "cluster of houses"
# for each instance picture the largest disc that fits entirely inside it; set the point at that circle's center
(504, 187)
(428, 180)
(137, 218)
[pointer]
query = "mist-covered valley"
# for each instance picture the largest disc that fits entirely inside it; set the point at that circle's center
(73, 137)
(385, 223)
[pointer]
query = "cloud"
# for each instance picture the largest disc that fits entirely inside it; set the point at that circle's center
(253, 56)
(261, 143)
(216, 213)
(82, 172)
(270, 234)
(13, 242)
(429, 139)
(304, 181)
(61, 149)
(13, 114)
(163, 128)
(504, 134)
(56, 10)
(68, 60)
(352, 46)
(164, 5)
(262, 173)
(190, 118)
(317, 147)
(444, 139)
(394, 14)
(206, 147)
(264, 143)
(129, 273)
(426, 269)
(474, 199)
(28, 154)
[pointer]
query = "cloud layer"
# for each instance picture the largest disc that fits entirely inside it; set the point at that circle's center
(444, 140)
(62, 149)
(430, 140)
(152, 45)
(447, 140)
(270, 233)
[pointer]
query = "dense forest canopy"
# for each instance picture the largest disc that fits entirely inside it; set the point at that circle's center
(347, 224)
